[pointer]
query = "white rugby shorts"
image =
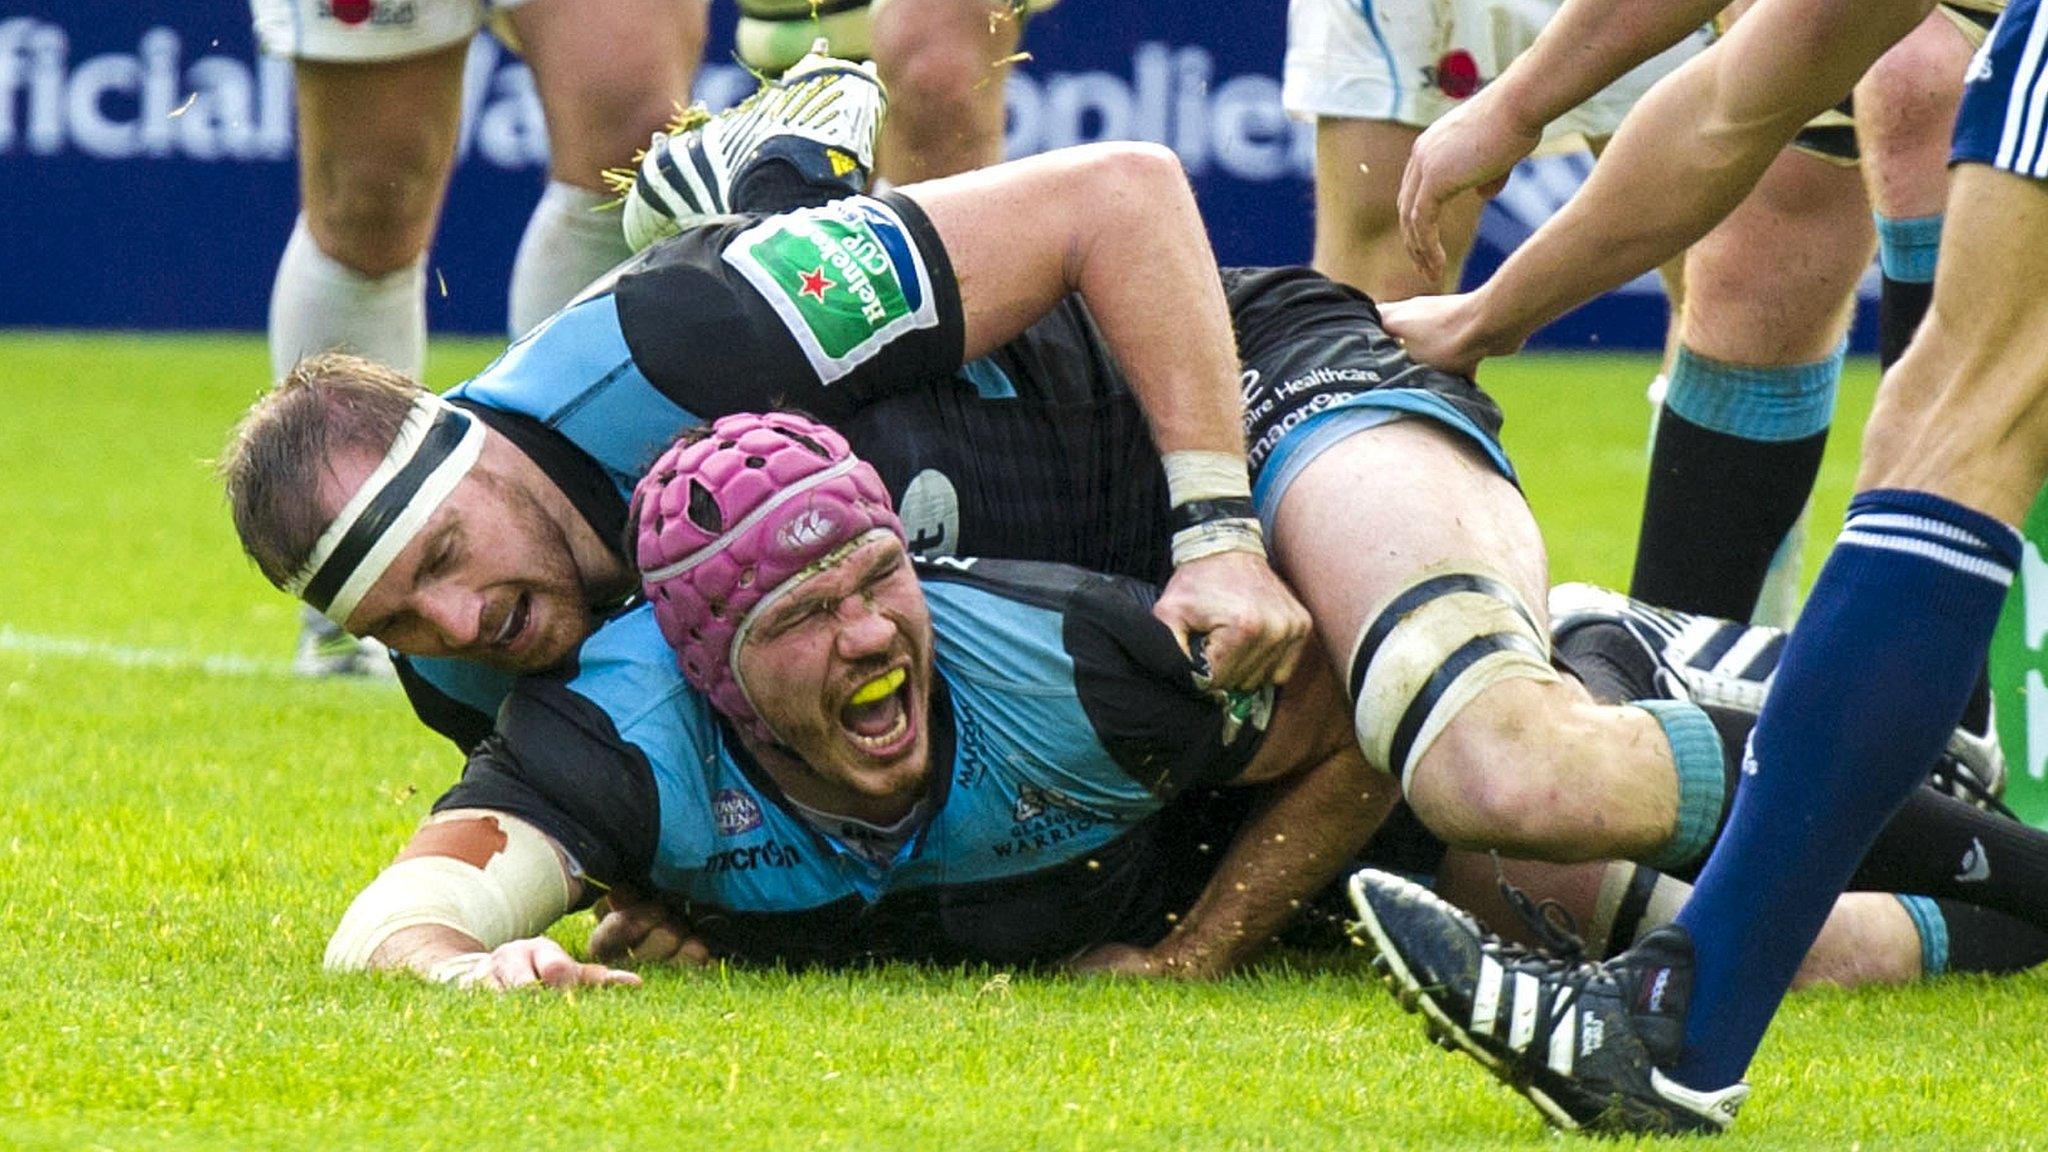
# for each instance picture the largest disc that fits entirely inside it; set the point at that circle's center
(1411, 61)
(368, 30)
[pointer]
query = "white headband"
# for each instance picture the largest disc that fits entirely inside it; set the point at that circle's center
(436, 447)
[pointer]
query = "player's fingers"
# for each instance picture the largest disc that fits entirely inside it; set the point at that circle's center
(556, 968)
(1290, 657)
(509, 970)
(1418, 218)
(659, 945)
(1169, 612)
(618, 934)
(597, 975)
(694, 952)
(1240, 656)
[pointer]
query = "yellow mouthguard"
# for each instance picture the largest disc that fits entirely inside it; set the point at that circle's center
(879, 688)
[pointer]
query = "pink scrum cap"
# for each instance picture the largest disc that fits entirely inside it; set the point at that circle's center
(725, 524)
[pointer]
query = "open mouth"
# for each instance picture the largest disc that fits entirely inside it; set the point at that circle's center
(514, 624)
(876, 718)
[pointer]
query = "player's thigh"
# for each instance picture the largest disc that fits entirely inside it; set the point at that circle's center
(609, 74)
(1964, 413)
(376, 143)
(1773, 283)
(1905, 116)
(1369, 515)
(1358, 235)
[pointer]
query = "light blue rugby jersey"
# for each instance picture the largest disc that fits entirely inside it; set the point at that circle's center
(1038, 841)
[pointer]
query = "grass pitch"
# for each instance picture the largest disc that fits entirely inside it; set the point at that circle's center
(182, 823)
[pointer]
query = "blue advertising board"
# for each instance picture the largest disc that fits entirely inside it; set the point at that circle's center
(147, 176)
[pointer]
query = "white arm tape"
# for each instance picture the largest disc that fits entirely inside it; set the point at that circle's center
(1193, 474)
(1228, 535)
(519, 891)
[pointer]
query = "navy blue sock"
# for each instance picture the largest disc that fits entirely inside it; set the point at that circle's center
(1905, 253)
(1873, 679)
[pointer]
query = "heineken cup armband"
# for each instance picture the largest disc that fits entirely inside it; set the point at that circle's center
(1212, 505)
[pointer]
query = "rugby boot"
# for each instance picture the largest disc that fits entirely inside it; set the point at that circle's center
(822, 117)
(1729, 665)
(1581, 1041)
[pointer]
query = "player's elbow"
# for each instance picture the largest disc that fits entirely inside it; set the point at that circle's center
(1137, 169)
(1120, 188)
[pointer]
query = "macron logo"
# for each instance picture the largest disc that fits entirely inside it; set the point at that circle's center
(1976, 864)
(1749, 765)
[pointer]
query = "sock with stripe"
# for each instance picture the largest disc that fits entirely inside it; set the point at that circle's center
(1939, 846)
(1736, 452)
(1870, 686)
(1905, 255)
(1959, 937)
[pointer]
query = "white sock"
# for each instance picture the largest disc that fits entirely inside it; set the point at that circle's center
(318, 305)
(569, 242)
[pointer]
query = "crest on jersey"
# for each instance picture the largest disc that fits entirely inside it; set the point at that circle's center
(735, 812)
(930, 511)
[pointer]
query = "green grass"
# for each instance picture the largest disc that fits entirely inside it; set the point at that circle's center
(177, 839)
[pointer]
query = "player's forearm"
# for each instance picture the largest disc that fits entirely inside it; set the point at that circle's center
(1304, 831)
(430, 950)
(1588, 45)
(1116, 225)
(468, 882)
(1688, 154)
(1141, 261)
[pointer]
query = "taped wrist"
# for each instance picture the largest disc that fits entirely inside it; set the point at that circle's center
(522, 888)
(1212, 505)
(461, 969)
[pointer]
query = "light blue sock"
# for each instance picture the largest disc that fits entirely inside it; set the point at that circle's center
(1906, 247)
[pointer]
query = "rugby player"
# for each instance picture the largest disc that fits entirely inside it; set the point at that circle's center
(965, 761)
(1386, 485)
(1895, 632)
(875, 330)
(379, 97)
(969, 760)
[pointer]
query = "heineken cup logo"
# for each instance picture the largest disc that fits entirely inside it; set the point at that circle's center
(839, 278)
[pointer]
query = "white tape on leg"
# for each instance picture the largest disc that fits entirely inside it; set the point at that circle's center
(1431, 649)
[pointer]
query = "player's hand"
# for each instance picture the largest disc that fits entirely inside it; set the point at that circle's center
(632, 929)
(1445, 331)
(1475, 145)
(1141, 963)
(540, 962)
(1254, 626)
